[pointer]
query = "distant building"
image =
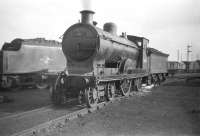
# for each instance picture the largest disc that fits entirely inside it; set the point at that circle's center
(194, 66)
(175, 65)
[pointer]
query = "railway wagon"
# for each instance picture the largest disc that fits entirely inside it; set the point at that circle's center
(194, 66)
(30, 62)
(101, 64)
(157, 62)
(175, 67)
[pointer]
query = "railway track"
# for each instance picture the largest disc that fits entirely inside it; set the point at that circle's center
(27, 113)
(57, 122)
(43, 120)
(47, 108)
(46, 119)
(16, 123)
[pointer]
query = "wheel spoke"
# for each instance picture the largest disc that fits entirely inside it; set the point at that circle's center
(91, 98)
(110, 91)
(125, 87)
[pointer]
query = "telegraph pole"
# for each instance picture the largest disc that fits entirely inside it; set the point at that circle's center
(188, 52)
(178, 54)
(187, 63)
(181, 57)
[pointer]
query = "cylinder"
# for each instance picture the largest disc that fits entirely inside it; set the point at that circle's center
(87, 17)
(110, 27)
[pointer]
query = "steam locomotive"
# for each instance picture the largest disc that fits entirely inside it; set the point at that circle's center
(101, 64)
(30, 62)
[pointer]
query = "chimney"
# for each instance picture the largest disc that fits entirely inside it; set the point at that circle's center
(87, 17)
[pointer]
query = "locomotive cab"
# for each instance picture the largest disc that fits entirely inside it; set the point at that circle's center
(143, 56)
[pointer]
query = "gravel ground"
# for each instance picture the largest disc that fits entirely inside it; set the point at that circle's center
(172, 109)
(23, 99)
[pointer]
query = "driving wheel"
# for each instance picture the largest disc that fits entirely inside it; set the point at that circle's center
(110, 91)
(91, 97)
(125, 87)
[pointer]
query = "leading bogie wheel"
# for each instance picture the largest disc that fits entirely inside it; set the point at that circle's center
(125, 87)
(56, 91)
(55, 95)
(91, 97)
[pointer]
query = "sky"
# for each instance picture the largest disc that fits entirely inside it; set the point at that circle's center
(170, 25)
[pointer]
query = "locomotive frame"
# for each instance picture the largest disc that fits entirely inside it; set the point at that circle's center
(102, 65)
